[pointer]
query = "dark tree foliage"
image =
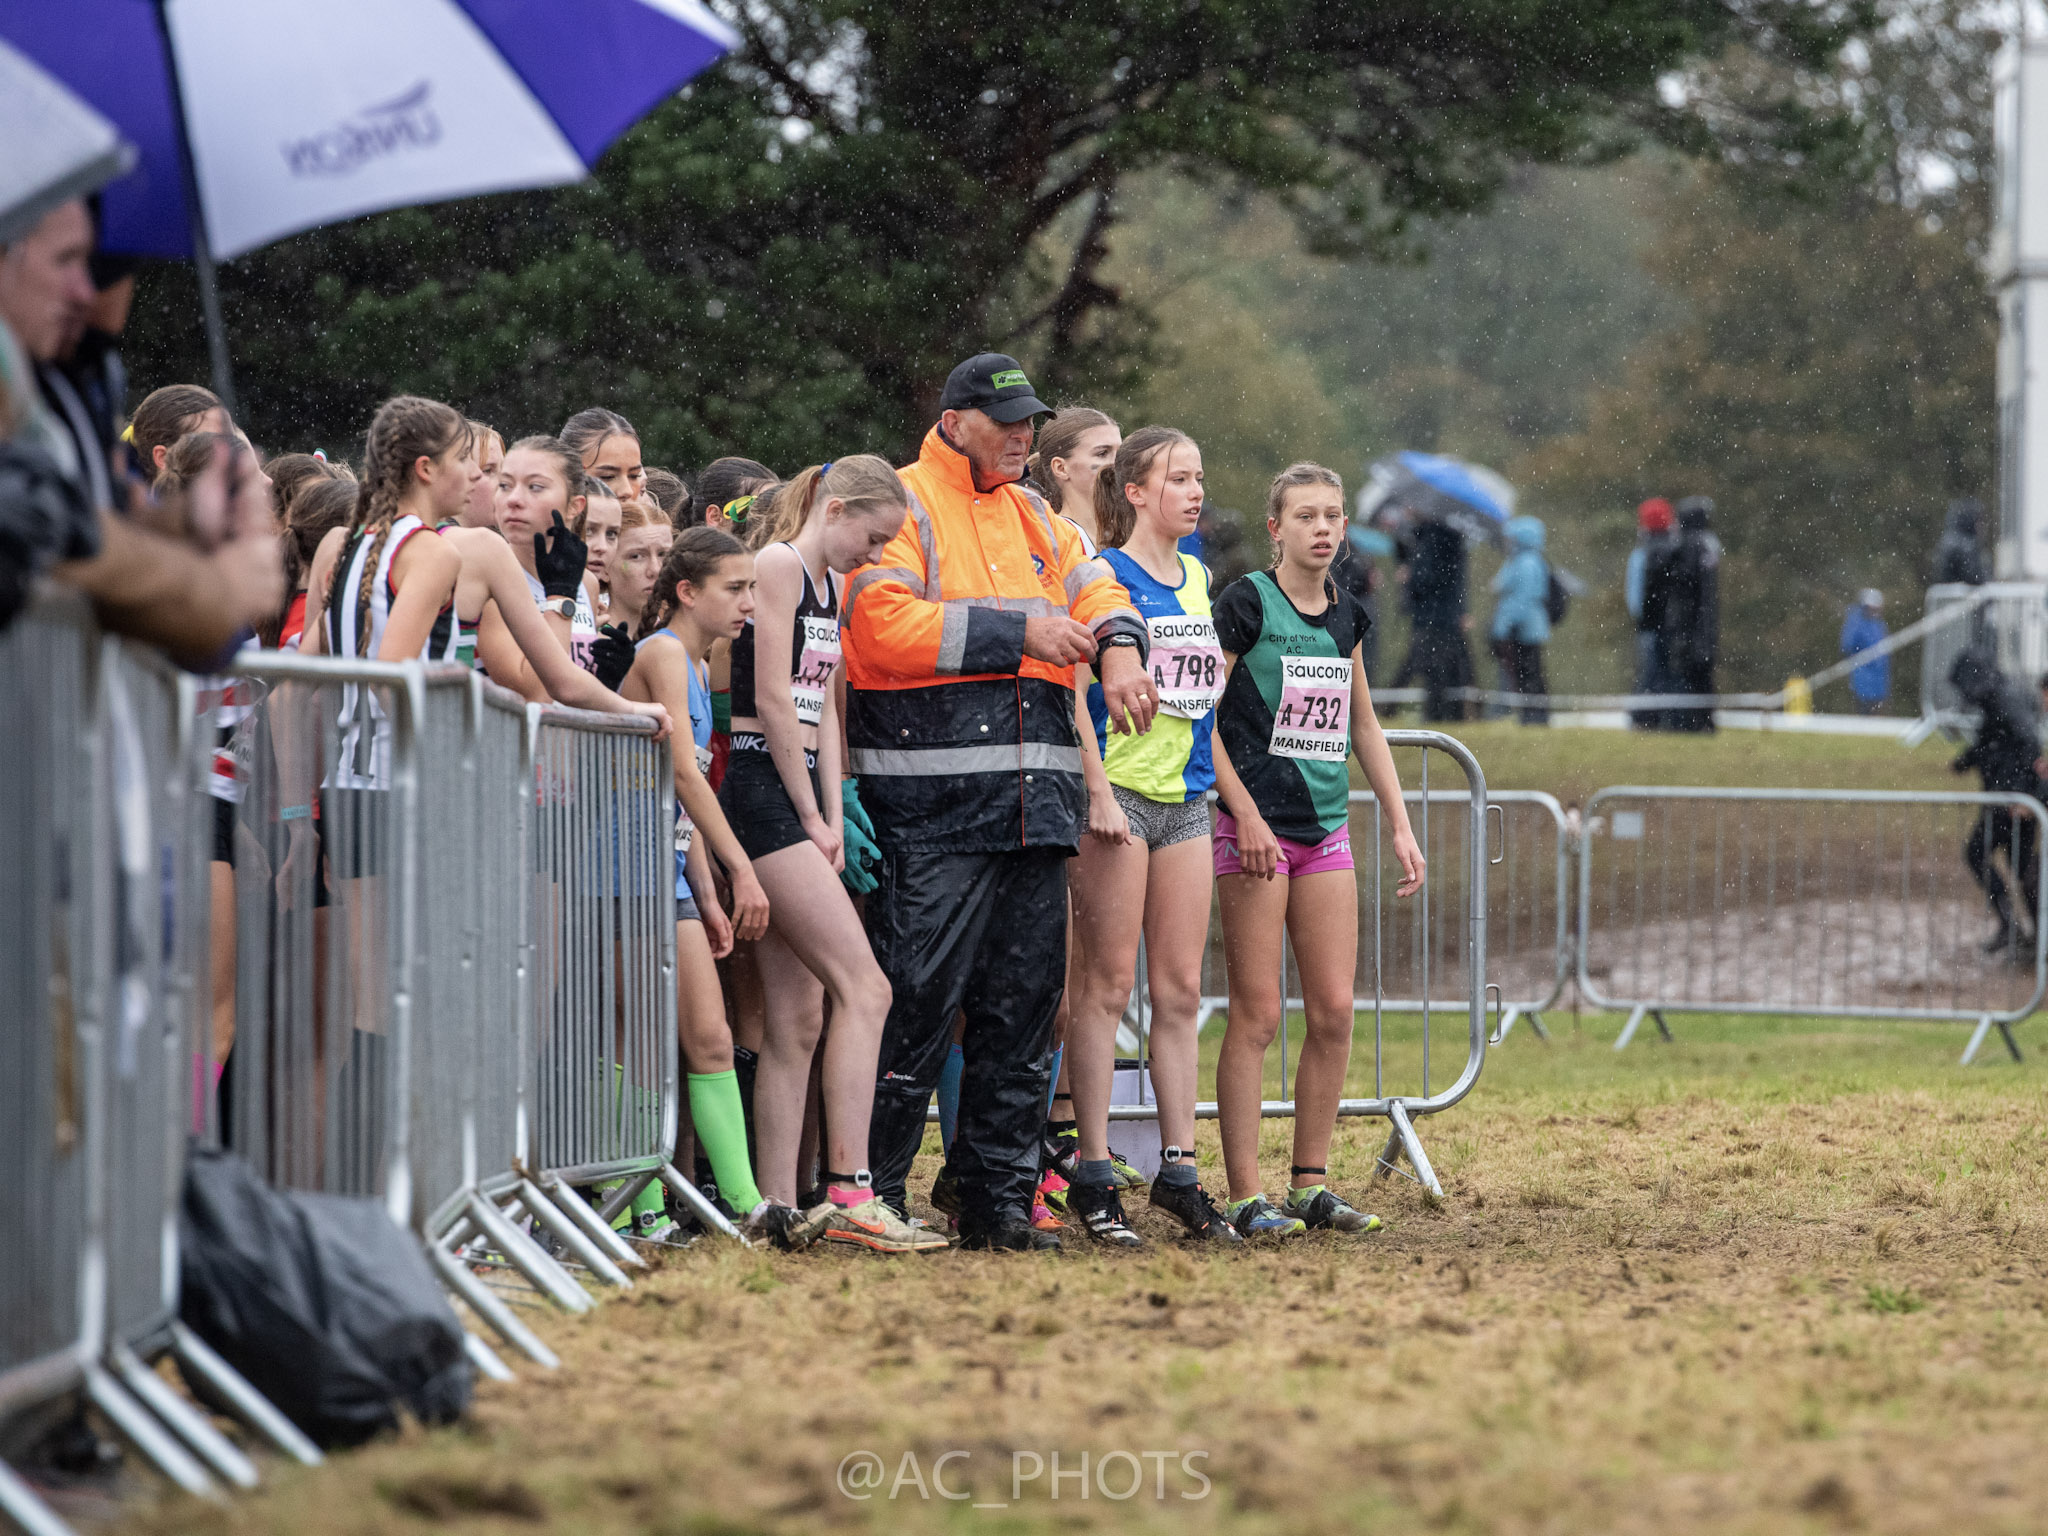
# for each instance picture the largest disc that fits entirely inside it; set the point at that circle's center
(787, 258)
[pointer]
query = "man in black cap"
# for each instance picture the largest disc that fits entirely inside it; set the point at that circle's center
(960, 645)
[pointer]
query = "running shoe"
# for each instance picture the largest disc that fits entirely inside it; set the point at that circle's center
(1052, 1195)
(1099, 1208)
(1042, 1218)
(1190, 1205)
(773, 1222)
(1256, 1217)
(1322, 1209)
(1127, 1177)
(1013, 1237)
(871, 1224)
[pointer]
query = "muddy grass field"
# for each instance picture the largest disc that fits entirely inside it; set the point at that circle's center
(1770, 1278)
(1784, 1275)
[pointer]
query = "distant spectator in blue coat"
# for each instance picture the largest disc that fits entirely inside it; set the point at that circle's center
(1521, 614)
(1862, 627)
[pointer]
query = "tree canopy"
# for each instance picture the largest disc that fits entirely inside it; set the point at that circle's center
(788, 257)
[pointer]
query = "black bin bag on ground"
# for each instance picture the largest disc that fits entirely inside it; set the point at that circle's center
(321, 1301)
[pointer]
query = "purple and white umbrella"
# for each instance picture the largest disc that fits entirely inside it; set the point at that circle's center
(298, 113)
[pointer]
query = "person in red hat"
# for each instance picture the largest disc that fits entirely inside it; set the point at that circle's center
(1656, 533)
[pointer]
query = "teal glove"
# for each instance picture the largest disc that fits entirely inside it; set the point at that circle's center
(863, 857)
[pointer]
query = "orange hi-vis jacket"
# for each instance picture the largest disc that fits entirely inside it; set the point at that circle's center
(962, 742)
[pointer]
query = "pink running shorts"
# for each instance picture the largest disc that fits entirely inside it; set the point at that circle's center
(1296, 859)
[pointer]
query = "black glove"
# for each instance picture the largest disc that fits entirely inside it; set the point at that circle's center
(611, 655)
(558, 560)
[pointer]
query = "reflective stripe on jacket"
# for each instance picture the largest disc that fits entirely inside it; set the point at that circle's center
(961, 740)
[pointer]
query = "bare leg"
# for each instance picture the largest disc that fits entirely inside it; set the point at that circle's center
(1108, 899)
(1322, 919)
(814, 921)
(1254, 919)
(700, 1006)
(1177, 893)
(221, 891)
(795, 1016)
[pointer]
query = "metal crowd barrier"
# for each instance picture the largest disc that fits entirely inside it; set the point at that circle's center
(2010, 622)
(455, 967)
(1528, 940)
(104, 934)
(1825, 902)
(1442, 931)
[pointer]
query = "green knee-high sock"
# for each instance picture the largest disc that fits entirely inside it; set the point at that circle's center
(722, 1132)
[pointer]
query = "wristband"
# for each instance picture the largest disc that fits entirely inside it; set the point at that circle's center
(295, 813)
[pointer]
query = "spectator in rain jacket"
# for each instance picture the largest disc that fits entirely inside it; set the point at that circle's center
(1656, 535)
(960, 646)
(1434, 576)
(1521, 615)
(1958, 557)
(1862, 627)
(2004, 753)
(1682, 603)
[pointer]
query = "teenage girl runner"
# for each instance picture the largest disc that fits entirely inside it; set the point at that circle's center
(1157, 881)
(543, 512)
(320, 506)
(1072, 451)
(1295, 707)
(610, 450)
(383, 589)
(644, 539)
(786, 753)
(599, 530)
(706, 593)
(481, 510)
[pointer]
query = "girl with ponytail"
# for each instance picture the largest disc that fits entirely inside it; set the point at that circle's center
(702, 594)
(783, 796)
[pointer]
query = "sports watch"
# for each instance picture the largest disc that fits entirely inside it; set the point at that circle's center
(560, 607)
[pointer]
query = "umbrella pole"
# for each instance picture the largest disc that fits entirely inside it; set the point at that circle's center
(202, 248)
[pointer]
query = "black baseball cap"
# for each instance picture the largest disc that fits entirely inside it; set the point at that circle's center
(995, 383)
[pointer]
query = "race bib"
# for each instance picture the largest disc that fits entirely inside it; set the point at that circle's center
(814, 664)
(1314, 717)
(1187, 664)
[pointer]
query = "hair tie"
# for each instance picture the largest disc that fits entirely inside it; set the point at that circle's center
(736, 509)
(824, 469)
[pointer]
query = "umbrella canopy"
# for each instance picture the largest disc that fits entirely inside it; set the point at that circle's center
(1433, 487)
(303, 112)
(58, 148)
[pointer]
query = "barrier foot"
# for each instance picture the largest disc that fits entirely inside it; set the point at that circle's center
(186, 1420)
(1405, 1142)
(707, 1213)
(1984, 1027)
(527, 1256)
(485, 1358)
(1635, 1022)
(477, 1296)
(19, 1503)
(599, 1232)
(157, 1444)
(250, 1406)
(572, 1237)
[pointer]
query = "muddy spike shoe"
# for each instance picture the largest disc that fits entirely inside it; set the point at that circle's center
(871, 1225)
(1190, 1205)
(1013, 1237)
(1323, 1210)
(1099, 1209)
(1059, 1146)
(1257, 1217)
(1127, 1177)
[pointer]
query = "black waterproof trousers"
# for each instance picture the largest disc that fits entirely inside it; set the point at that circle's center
(984, 934)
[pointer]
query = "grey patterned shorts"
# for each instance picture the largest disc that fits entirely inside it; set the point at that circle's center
(1158, 824)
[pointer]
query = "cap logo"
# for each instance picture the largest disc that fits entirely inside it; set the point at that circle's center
(1009, 378)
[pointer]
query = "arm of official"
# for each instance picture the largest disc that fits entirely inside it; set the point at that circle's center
(894, 627)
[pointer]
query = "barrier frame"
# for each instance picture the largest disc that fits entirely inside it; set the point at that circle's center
(1638, 1009)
